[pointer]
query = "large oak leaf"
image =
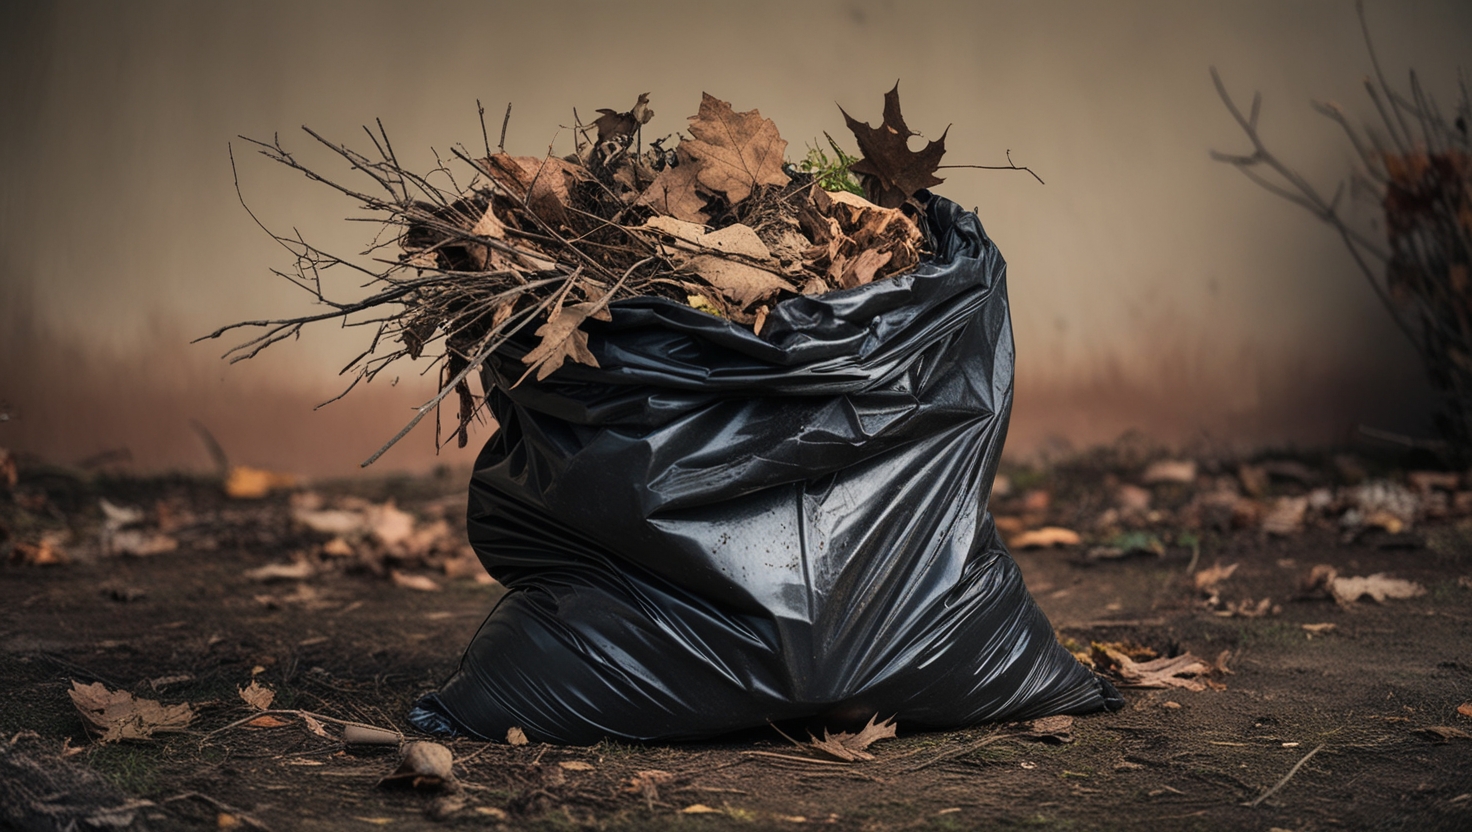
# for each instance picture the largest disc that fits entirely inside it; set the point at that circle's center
(891, 172)
(673, 192)
(736, 151)
(563, 338)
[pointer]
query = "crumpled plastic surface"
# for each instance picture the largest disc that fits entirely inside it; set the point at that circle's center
(715, 530)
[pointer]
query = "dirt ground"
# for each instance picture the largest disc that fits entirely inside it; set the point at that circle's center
(350, 642)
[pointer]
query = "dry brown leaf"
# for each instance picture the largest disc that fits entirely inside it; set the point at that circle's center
(331, 521)
(1207, 579)
(647, 783)
(315, 727)
(45, 552)
(890, 171)
(1055, 729)
(761, 320)
(737, 239)
(1286, 516)
(422, 583)
(1465, 709)
(267, 721)
(140, 543)
(515, 736)
(563, 338)
(295, 571)
(542, 183)
(1378, 587)
(1046, 536)
(1173, 672)
(246, 483)
(1319, 629)
(389, 524)
(699, 809)
(853, 747)
(118, 715)
(257, 695)
(675, 192)
(737, 151)
(576, 765)
(423, 765)
(742, 284)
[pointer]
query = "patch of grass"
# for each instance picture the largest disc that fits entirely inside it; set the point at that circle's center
(132, 768)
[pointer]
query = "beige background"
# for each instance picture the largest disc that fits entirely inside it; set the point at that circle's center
(1151, 288)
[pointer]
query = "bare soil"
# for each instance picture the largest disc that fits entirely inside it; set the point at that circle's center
(189, 626)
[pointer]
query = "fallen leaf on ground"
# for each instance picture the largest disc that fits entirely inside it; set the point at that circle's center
(1378, 587)
(140, 543)
(516, 736)
(647, 783)
(116, 517)
(1286, 516)
(1207, 579)
(852, 747)
(1170, 470)
(257, 695)
(44, 552)
(1247, 608)
(575, 765)
(118, 715)
(331, 521)
(737, 151)
(267, 721)
(1056, 729)
(423, 765)
(422, 583)
(389, 524)
(1319, 629)
(314, 726)
(1174, 672)
(699, 809)
(1046, 536)
(294, 571)
(246, 483)
(892, 173)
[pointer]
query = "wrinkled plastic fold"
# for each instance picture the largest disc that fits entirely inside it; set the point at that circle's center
(714, 529)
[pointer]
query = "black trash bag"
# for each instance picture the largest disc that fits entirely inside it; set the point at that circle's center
(715, 529)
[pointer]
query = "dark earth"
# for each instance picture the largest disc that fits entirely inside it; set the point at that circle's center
(1375, 698)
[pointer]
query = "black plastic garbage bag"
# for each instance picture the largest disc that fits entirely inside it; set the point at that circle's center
(715, 529)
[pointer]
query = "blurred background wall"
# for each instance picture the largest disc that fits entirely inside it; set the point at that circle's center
(1152, 288)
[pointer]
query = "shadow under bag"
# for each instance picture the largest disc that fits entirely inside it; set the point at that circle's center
(714, 529)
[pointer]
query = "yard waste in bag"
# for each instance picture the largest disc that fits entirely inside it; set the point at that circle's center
(714, 529)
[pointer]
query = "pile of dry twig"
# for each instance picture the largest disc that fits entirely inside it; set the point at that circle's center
(719, 221)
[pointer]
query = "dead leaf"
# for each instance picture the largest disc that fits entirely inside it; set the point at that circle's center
(743, 284)
(563, 338)
(118, 715)
(675, 191)
(140, 543)
(1378, 586)
(257, 695)
(1207, 579)
(1170, 470)
(699, 809)
(315, 727)
(1046, 536)
(294, 571)
(423, 765)
(389, 524)
(1319, 629)
(853, 747)
(737, 239)
(337, 547)
(516, 736)
(647, 783)
(615, 125)
(331, 521)
(1054, 729)
(422, 583)
(1173, 672)
(890, 171)
(542, 183)
(576, 765)
(737, 151)
(45, 552)
(1286, 516)
(267, 721)
(246, 483)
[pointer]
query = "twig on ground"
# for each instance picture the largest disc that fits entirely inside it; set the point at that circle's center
(1289, 776)
(958, 752)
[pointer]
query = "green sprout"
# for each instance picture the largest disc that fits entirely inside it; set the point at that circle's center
(832, 174)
